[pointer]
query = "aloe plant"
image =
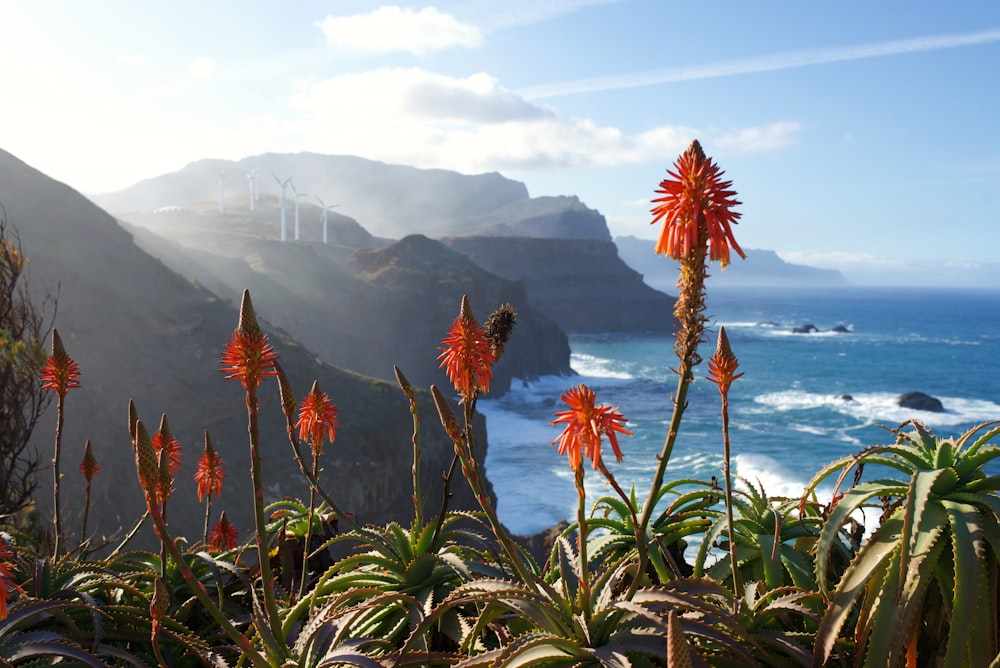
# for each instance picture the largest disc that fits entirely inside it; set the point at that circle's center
(923, 585)
(772, 538)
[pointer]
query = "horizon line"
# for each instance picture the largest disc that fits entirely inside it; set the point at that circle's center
(767, 63)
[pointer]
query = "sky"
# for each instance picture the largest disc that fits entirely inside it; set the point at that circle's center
(859, 135)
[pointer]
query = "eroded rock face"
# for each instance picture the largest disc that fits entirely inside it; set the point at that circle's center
(920, 402)
(582, 284)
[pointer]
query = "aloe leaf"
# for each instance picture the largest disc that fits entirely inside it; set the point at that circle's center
(866, 564)
(917, 496)
(970, 577)
(852, 500)
(799, 567)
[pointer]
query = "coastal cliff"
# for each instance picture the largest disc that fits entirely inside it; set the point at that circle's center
(582, 284)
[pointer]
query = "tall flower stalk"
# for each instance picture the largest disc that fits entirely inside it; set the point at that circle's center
(209, 476)
(722, 371)
(696, 207)
(249, 357)
(317, 420)
(60, 373)
(89, 468)
(586, 425)
(468, 353)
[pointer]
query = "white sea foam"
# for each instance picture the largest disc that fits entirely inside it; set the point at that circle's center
(879, 407)
(597, 367)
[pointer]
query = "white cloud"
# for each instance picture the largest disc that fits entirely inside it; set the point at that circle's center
(766, 63)
(755, 140)
(475, 124)
(203, 68)
(393, 28)
(845, 260)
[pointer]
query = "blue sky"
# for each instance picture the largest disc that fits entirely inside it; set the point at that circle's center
(859, 135)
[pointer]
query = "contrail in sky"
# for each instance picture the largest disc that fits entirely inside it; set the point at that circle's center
(777, 61)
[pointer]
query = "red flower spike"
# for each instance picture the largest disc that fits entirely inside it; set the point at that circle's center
(586, 424)
(723, 364)
(210, 471)
(466, 354)
(6, 577)
(164, 440)
(248, 355)
(60, 372)
(316, 415)
(696, 200)
(89, 466)
(224, 535)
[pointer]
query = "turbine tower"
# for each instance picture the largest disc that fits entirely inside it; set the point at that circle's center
(252, 183)
(325, 209)
(283, 185)
(298, 196)
(222, 181)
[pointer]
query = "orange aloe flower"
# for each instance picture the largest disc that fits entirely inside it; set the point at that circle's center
(696, 197)
(248, 355)
(210, 471)
(723, 364)
(60, 372)
(224, 535)
(316, 415)
(6, 577)
(164, 440)
(466, 355)
(585, 425)
(89, 466)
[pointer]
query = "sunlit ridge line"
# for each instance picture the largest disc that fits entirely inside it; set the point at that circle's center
(769, 63)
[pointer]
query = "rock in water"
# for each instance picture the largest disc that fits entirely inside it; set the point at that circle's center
(921, 402)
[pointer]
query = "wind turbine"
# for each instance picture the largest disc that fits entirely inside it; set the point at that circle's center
(283, 185)
(222, 181)
(252, 182)
(325, 209)
(298, 196)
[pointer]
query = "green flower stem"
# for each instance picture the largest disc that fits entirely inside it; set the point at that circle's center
(199, 590)
(208, 514)
(309, 527)
(637, 528)
(737, 585)
(418, 498)
(581, 521)
(56, 521)
(263, 557)
(312, 480)
(86, 514)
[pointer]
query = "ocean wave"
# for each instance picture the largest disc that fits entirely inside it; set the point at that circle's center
(879, 407)
(598, 367)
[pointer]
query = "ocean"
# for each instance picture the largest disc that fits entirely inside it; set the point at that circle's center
(804, 399)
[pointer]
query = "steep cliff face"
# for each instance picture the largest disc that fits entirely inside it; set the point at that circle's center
(424, 281)
(140, 331)
(544, 217)
(582, 284)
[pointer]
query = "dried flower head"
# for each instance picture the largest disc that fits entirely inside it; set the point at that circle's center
(723, 364)
(60, 372)
(160, 604)
(146, 463)
(210, 471)
(285, 393)
(248, 355)
(133, 417)
(164, 479)
(224, 535)
(164, 441)
(403, 383)
(466, 354)
(448, 419)
(586, 423)
(696, 208)
(499, 326)
(89, 466)
(316, 415)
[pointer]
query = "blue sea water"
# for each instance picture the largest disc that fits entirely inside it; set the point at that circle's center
(788, 413)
